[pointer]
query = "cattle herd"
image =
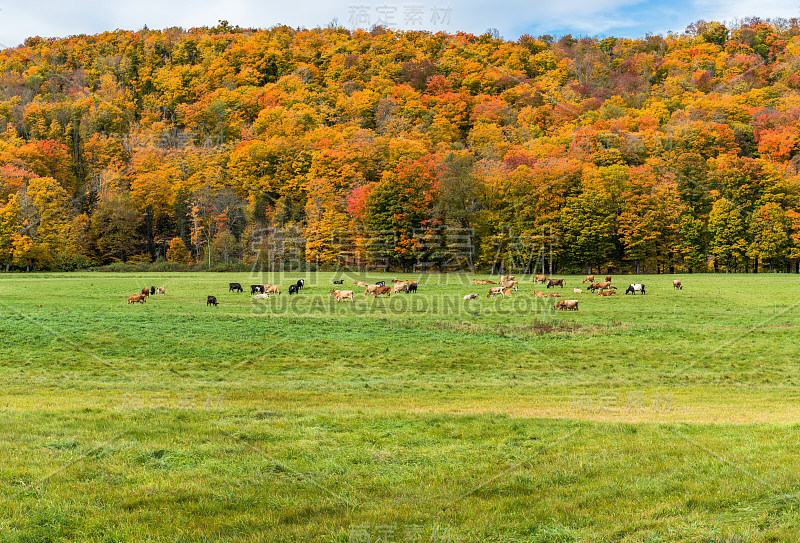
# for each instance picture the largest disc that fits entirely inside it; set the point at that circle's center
(506, 286)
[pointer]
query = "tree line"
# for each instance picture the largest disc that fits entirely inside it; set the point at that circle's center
(405, 150)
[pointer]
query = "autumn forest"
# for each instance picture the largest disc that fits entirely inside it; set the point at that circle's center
(222, 146)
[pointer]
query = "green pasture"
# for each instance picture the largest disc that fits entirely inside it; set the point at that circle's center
(671, 416)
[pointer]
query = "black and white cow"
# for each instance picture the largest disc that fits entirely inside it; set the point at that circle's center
(633, 289)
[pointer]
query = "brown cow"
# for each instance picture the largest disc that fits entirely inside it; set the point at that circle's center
(539, 294)
(506, 278)
(370, 289)
(603, 285)
(269, 289)
(400, 286)
(567, 304)
(342, 294)
(676, 284)
(555, 295)
(133, 298)
(555, 283)
(539, 279)
(161, 290)
(589, 279)
(608, 278)
(607, 293)
(145, 292)
(360, 284)
(483, 282)
(382, 290)
(510, 284)
(494, 291)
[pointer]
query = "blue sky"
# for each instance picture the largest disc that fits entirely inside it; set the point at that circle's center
(627, 18)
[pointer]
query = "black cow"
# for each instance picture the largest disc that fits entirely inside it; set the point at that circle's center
(339, 282)
(300, 284)
(381, 283)
(152, 291)
(293, 289)
(212, 300)
(412, 287)
(256, 289)
(235, 286)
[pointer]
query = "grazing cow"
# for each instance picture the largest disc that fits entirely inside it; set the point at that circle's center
(261, 296)
(506, 278)
(161, 290)
(412, 287)
(360, 284)
(293, 290)
(152, 290)
(539, 294)
(339, 282)
(370, 289)
(382, 289)
(380, 284)
(540, 279)
(589, 279)
(603, 285)
(269, 289)
(634, 288)
(133, 298)
(235, 286)
(567, 304)
(494, 291)
(511, 284)
(400, 286)
(607, 293)
(577, 291)
(342, 295)
(256, 289)
(676, 284)
(555, 283)
(212, 300)
(145, 292)
(300, 284)
(608, 278)
(470, 296)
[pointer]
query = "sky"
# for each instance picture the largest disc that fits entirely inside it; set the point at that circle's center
(511, 18)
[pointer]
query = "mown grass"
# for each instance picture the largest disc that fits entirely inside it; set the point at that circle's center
(665, 417)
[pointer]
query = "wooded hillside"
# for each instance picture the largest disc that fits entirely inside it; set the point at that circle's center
(348, 148)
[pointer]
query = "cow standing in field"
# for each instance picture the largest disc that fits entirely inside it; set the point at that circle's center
(145, 291)
(589, 279)
(300, 284)
(567, 304)
(509, 284)
(293, 289)
(342, 295)
(494, 291)
(212, 300)
(256, 289)
(608, 278)
(634, 288)
(134, 298)
(412, 287)
(161, 290)
(539, 279)
(382, 290)
(152, 291)
(271, 289)
(506, 278)
(235, 287)
(676, 285)
(555, 283)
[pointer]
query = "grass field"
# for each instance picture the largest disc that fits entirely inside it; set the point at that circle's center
(671, 416)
